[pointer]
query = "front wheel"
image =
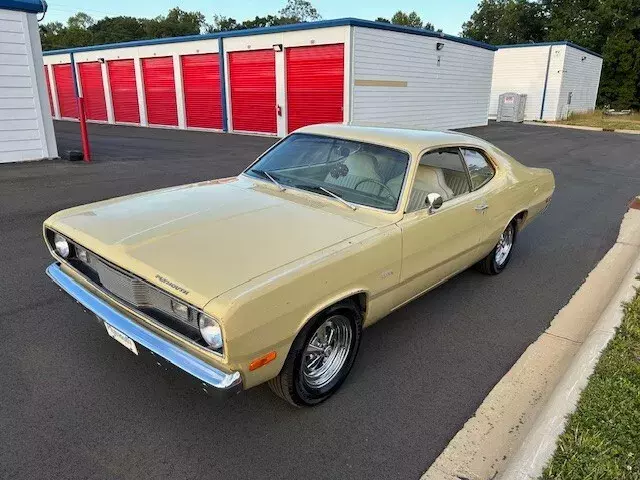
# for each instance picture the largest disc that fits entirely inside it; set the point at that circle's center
(320, 358)
(499, 257)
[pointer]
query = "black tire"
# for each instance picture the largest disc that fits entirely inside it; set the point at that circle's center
(489, 265)
(291, 385)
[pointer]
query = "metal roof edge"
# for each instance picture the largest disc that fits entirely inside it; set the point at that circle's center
(277, 29)
(419, 31)
(30, 6)
(545, 44)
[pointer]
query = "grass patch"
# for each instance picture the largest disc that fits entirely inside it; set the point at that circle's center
(602, 437)
(597, 118)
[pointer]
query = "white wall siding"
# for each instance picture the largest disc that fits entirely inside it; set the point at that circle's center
(519, 70)
(417, 85)
(26, 131)
(523, 69)
(554, 82)
(581, 78)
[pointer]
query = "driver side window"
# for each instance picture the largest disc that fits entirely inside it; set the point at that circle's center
(442, 172)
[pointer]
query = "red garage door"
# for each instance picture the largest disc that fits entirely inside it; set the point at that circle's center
(201, 83)
(93, 90)
(65, 90)
(253, 91)
(124, 91)
(160, 91)
(46, 77)
(315, 85)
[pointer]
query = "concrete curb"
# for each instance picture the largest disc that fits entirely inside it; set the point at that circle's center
(581, 127)
(540, 444)
(509, 428)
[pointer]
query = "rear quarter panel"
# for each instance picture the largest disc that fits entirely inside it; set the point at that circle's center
(519, 189)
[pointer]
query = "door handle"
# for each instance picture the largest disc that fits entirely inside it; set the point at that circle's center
(480, 208)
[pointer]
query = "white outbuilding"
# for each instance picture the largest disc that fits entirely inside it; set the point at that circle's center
(557, 77)
(274, 80)
(26, 129)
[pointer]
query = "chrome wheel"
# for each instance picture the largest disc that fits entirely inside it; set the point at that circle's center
(504, 246)
(327, 351)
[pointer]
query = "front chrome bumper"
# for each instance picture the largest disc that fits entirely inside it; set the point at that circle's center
(207, 375)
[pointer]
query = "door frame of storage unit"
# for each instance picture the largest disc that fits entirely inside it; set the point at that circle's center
(276, 110)
(57, 68)
(337, 47)
(110, 102)
(217, 92)
(81, 81)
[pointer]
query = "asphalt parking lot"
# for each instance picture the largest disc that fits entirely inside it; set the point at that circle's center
(76, 404)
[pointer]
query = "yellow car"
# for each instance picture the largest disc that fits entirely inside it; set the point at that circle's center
(272, 275)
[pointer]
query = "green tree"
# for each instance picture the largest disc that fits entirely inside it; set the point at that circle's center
(299, 11)
(177, 23)
(80, 20)
(407, 19)
(117, 29)
(502, 22)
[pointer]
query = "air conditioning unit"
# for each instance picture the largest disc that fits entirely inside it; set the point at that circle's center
(511, 107)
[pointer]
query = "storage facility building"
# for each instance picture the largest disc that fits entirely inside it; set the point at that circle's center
(26, 129)
(277, 79)
(557, 77)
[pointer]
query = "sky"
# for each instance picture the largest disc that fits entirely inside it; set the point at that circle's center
(448, 15)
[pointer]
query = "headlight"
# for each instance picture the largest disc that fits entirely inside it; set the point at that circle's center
(82, 254)
(61, 244)
(210, 331)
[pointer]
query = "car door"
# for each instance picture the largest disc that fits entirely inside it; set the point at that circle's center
(482, 172)
(437, 244)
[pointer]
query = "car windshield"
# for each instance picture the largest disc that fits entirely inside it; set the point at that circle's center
(358, 173)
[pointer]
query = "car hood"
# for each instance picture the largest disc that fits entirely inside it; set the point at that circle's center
(199, 241)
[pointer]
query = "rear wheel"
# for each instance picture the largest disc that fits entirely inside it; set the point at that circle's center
(499, 257)
(321, 357)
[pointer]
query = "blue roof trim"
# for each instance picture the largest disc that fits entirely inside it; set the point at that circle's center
(280, 28)
(31, 6)
(546, 44)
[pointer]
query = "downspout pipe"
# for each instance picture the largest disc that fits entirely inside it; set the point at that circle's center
(546, 79)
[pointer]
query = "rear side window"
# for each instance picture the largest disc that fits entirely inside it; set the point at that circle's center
(480, 169)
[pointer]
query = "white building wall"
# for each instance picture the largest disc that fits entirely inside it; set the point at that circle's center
(554, 82)
(523, 69)
(26, 129)
(402, 79)
(581, 79)
(519, 70)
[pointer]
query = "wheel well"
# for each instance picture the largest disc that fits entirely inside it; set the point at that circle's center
(520, 218)
(357, 300)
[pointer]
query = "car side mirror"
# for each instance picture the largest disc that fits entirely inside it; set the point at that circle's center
(433, 201)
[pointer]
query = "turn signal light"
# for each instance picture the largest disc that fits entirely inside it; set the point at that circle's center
(262, 361)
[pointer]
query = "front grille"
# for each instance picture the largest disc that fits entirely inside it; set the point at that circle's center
(137, 292)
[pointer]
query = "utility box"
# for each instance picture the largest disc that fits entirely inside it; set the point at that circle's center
(511, 107)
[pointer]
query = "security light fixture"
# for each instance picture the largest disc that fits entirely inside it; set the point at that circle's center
(277, 47)
(101, 60)
(439, 46)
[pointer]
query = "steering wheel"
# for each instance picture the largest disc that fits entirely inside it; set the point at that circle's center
(380, 184)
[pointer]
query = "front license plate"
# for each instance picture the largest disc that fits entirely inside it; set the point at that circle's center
(121, 337)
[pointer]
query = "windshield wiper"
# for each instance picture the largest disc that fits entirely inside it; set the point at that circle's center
(268, 175)
(316, 188)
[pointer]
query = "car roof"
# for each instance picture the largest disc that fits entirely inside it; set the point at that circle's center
(399, 137)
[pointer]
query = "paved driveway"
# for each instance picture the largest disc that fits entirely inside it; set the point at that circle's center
(76, 404)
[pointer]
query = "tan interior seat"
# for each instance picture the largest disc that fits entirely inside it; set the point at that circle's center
(361, 166)
(428, 180)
